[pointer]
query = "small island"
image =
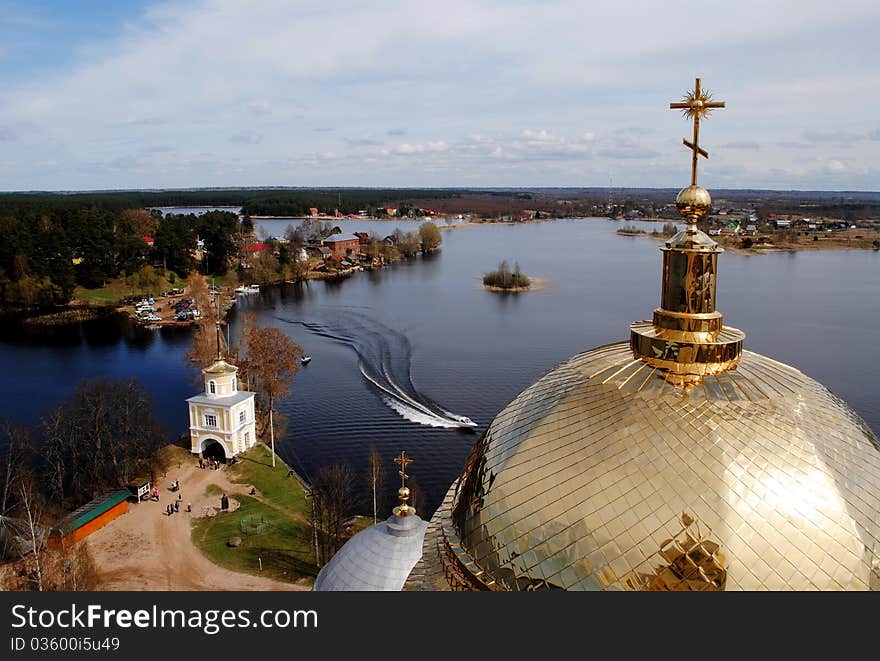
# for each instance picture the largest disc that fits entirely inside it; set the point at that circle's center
(503, 279)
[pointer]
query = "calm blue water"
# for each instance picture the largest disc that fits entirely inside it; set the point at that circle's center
(427, 328)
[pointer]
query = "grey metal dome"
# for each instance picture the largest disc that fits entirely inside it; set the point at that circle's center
(377, 558)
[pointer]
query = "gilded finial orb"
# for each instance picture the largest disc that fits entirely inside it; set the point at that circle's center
(403, 493)
(693, 203)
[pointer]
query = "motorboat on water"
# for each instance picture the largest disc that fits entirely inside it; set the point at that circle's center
(253, 289)
(241, 290)
(305, 360)
(464, 421)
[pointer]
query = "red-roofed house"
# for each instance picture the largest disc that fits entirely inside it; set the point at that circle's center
(149, 241)
(255, 247)
(343, 245)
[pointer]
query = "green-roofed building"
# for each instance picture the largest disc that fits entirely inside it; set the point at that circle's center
(85, 520)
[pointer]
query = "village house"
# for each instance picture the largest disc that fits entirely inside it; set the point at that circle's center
(342, 245)
(321, 252)
(313, 212)
(255, 247)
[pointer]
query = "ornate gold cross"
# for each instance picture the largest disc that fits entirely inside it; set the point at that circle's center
(696, 105)
(403, 461)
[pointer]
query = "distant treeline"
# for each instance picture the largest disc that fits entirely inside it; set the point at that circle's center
(261, 202)
(346, 201)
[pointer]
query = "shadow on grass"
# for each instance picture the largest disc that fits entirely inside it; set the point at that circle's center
(241, 459)
(280, 563)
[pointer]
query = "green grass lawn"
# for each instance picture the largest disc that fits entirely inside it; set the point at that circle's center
(255, 467)
(100, 296)
(285, 549)
(116, 290)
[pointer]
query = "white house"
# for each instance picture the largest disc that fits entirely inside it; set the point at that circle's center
(221, 420)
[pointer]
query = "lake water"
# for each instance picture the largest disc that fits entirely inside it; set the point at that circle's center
(398, 352)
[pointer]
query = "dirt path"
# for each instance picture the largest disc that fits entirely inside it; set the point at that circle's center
(145, 549)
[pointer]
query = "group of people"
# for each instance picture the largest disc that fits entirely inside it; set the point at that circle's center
(175, 506)
(209, 463)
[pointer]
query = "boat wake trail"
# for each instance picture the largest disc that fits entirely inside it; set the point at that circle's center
(384, 361)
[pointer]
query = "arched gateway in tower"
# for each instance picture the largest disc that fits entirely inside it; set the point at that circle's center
(221, 419)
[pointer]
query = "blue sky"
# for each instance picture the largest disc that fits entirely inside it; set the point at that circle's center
(99, 95)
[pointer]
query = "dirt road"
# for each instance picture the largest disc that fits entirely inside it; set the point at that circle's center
(145, 549)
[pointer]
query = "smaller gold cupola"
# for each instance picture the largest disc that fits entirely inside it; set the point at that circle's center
(686, 337)
(403, 493)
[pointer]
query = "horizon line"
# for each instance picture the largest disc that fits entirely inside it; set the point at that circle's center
(62, 191)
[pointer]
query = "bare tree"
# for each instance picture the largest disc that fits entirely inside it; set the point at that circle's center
(273, 359)
(71, 569)
(203, 350)
(13, 463)
(98, 438)
(376, 477)
(409, 244)
(334, 503)
(416, 496)
(31, 511)
(430, 236)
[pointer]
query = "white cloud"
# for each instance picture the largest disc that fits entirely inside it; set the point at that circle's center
(286, 78)
(260, 107)
(247, 138)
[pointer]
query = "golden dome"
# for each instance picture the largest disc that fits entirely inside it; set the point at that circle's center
(676, 461)
(220, 366)
(585, 481)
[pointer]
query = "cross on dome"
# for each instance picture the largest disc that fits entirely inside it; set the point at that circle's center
(404, 509)
(696, 105)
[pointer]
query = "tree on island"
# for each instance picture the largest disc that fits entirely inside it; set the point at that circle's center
(504, 278)
(430, 237)
(374, 247)
(408, 243)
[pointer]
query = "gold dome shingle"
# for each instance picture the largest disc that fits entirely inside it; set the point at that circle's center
(581, 479)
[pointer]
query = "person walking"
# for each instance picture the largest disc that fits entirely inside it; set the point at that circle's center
(176, 505)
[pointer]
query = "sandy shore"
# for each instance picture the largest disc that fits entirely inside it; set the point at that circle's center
(145, 549)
